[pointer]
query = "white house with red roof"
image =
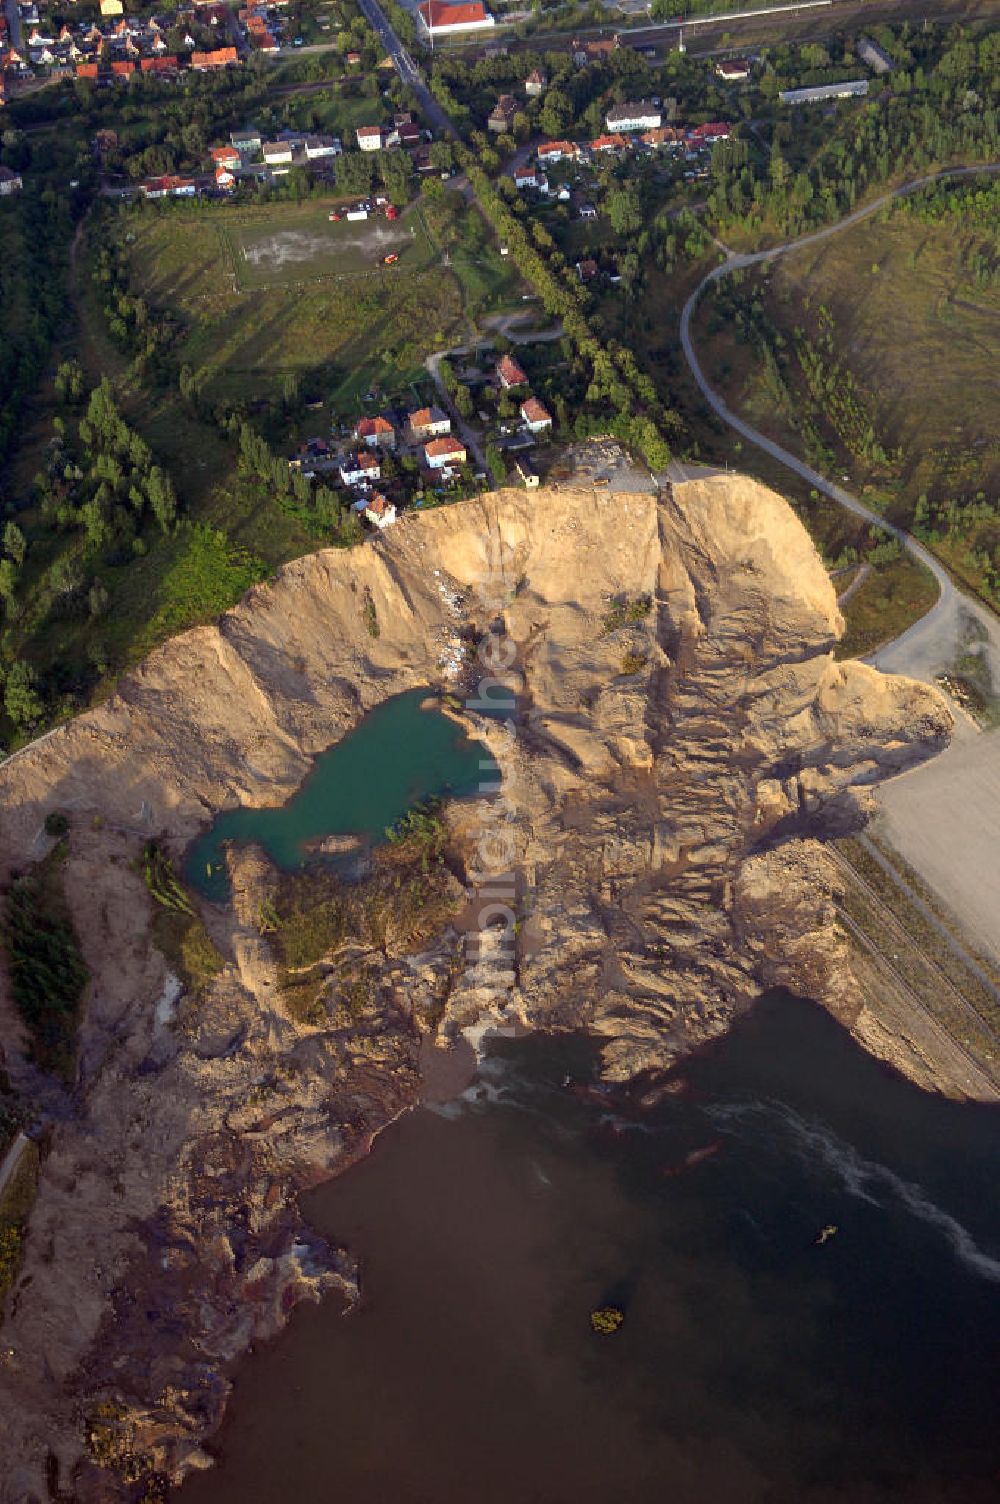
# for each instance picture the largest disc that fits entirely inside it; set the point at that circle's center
(429, 423)
(509, 373)
(380, 511)
(375, 433)
(537, 418)
(442, 454)
(360, 469)
(438, 18)
(370, 137)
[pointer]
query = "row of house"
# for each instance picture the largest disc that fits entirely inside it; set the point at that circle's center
(404, 131)
(688, 139)
(511, 377)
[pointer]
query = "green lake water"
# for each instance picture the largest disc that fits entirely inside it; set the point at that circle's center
(398, 755)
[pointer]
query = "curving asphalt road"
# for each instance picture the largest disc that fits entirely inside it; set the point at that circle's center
(931, 644)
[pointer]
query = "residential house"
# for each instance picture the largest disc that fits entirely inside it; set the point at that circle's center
(370, 137)
(429, 423)
(527, 472)
(851, 88)
(380, 511)
(313, 457)
(554, 151)
(375, 433)
(537, 418)
(669, 136)
(279, 153)
(733, 69)
(586, 270)
(163, 66)
(10, 182)
(437, 18)
(588, 211)
(525, 177)
(509, 373)
(502, 116)
(634, 116)
(707, 135)
(609, 144)
(444, 454)
(536, 83)
(360, 469)
(168, 187)
(226, 156)
(876, 58)
(219, 57)
(224, 179)
(322, 146)
(583, 53)
(248, 142)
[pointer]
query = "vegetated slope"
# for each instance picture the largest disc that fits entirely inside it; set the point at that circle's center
(684, 734)
(876, 350)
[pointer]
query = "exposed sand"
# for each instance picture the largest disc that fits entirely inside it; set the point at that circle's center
(944, 819)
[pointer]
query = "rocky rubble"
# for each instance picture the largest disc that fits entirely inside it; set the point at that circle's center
(670, 772)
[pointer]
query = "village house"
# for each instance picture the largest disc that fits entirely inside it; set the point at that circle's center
(640, 116)
(525, 177)
(247, 142)
(313, 458)
(444, 454)
(220, 57)
(707, 135)
(437, 18)
(375, 433)
(527, 472)
(733, 69)
(226, 156)
(370, 137)
(588, 211)
(10, 182)
(609, 143)
(360, 469)
(586, 270)
(817, 93)
(537, 418)
(317, 147)
(380, 511)
(670, 136)
(536, 83)
(168, 187)
(502, 117)
(583, 53)
(509, 373)
(554, 151)
(429, 423)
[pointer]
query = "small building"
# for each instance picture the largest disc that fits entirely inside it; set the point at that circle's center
(224, 179)
(247, 142)
(509, 373)
(370, 137)
(733, 69)
(586, 270)
(360, 211)
(536, 83)
(501, 118)
(360, 469)
(442, 454)
(226, 156)
(537, 418)
(429, 423)
(321, 146)
(669, 136)
(380, 511)
(279, 153)
(613, 143)
(641, 115)
(588, 211)
(554, 151)
(706, 135)
(10, 182)
(219, 57)
(168, 187)
(438, 18)
(852, 88)
(525, 177)
(375, 433)
(874, 56)
(527, 472)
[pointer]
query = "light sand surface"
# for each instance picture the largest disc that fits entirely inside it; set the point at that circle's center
(944, 819)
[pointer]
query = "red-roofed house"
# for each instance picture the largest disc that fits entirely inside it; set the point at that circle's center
(704, 135)
(441, 454)
(609, 143)
(510, 373)
(159, 65)
(370, 137)
(221, 57)
(375, 433)
(359, 469)
(554, 151)
(88, 70)
(429, 422)
(226, 156)
(536, 415)
(440, 19)
(380, 511)
(122, 69)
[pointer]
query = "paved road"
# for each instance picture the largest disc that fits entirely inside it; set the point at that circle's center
(472, 444)
(927, 647)
(406, 67)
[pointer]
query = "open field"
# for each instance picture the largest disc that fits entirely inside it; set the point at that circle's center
(303, 321)
(305, 245)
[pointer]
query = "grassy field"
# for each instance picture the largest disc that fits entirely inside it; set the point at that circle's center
(304, 245)
(330, 330)
(915, 333)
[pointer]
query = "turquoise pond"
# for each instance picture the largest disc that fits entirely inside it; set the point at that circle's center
(399, 754)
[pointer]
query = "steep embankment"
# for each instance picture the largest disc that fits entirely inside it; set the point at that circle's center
(674, 759)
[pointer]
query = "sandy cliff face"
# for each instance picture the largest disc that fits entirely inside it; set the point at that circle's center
(663, 788)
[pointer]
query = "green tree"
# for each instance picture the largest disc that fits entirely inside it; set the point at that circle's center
(14, 543)
(20, 696)
(624, 211)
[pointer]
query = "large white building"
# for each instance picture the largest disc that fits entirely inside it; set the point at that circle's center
(820, 92)
(634, 116)
(440, 19)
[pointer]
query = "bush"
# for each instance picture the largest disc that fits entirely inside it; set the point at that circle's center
(56, 823)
